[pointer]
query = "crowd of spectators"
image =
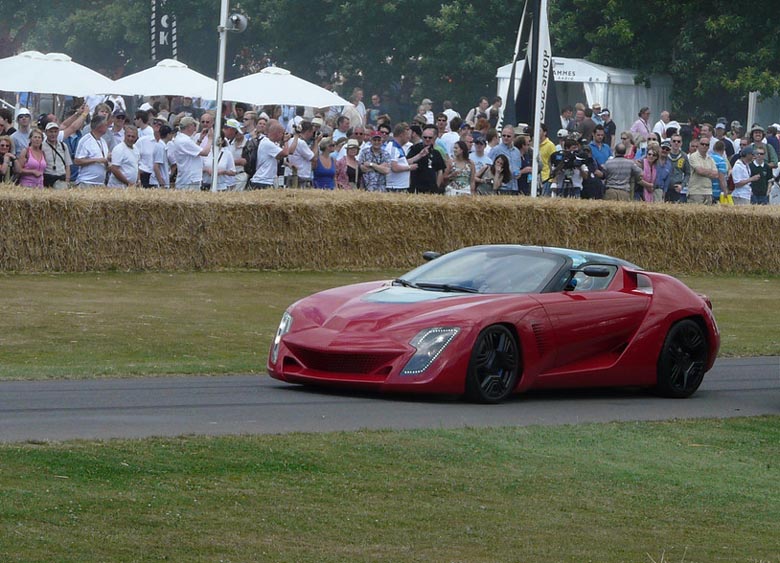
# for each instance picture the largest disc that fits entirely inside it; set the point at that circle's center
(360, 147)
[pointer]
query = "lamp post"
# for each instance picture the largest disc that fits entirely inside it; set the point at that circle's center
(236, 23)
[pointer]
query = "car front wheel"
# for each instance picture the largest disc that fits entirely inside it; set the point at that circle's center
(493, 367)
(683, 359)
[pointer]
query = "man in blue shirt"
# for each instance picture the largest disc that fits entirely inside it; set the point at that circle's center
(507, 147)
(600, 150)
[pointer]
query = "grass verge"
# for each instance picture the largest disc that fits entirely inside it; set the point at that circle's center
(702, 491)
(112, 324)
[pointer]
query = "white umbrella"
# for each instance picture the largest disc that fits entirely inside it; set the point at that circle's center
(167, 78)
(53, 73)
(274, 85)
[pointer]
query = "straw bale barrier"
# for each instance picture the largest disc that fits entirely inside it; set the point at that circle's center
(102, 229)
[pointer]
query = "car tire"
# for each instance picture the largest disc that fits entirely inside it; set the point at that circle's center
(493, 367)
(683, 360)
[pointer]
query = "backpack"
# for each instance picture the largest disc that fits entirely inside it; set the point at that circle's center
(249, 154)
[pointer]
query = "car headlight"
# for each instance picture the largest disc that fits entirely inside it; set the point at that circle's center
(284, 327)
(430, 343)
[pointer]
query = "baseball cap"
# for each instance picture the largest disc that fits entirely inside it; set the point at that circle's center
(426, 101)
(146, 106)
(605, 111)
(52, 125)
(234, 124)
(376, 133)
(563, 133)
(720, 125)
(746, 152)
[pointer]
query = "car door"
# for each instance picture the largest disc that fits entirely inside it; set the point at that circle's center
(594, 323)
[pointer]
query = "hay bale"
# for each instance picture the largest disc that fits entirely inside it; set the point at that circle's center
(103, 229)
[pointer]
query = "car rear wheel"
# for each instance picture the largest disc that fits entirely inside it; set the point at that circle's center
(683, 360)
(494, 364)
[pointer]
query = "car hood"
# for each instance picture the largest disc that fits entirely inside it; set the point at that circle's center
(379, 306)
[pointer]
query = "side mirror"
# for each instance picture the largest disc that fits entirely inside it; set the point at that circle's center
(429, 255)
(596, 271)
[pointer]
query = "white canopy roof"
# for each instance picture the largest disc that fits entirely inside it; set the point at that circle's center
(579, 80)
(169, 77)
(53, 73)
(274, 85)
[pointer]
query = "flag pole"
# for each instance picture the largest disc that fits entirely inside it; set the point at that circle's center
(543, 74)
(510, 87)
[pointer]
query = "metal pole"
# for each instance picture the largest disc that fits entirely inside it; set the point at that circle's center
(222, 29)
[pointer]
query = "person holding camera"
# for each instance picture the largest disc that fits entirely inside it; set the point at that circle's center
(58, 160)
(568, 168)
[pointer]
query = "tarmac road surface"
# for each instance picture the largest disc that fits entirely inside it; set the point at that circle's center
(172, 406)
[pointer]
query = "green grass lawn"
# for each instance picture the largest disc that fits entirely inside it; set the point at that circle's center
(113, 324)
(693, 491)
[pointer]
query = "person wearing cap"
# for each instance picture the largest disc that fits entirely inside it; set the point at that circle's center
(720, 135)
(116, 132)
(234, 143)
(742, 177)
(482, 162)
(123, 171)
(58, 160)
(21, 136)
(703, 172)
(348, 167)
(375, 164)
(610, 129)
(187, 155)
(562, 135)
(757, 136)
(299, 173)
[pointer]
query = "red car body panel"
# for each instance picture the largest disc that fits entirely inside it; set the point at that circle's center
(609, 337)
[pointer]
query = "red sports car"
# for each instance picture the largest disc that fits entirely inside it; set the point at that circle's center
(488, 321)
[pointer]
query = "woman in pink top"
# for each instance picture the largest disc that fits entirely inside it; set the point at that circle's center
(32, 162)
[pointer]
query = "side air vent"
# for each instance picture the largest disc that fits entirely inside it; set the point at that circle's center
(541, 340)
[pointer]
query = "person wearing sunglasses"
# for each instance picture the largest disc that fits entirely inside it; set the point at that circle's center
(760, 187)
(703, 172)
(508, 149)
(680, 171)
(429, 174)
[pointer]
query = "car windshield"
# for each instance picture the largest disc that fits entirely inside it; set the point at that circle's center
(487, 269)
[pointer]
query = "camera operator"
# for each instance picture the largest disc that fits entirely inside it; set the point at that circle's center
(569, 168)
(593, 181)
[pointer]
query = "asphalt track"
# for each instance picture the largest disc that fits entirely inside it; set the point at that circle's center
(172, 406)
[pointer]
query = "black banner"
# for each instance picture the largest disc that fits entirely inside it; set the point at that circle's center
(163, 32)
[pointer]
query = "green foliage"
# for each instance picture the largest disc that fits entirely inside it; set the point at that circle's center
(407, 49)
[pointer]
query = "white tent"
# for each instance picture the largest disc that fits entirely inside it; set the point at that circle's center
(578, 80)
(274, 85)
(53, 73)
(167, 78)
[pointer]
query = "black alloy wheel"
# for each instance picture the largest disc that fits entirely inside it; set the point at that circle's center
(493, 367)
(683, 360)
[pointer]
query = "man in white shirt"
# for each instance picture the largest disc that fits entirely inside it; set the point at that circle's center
(187, 155)
(300, 158)
(92, 155)
(400, 167)
(161, 176)
(269, 153)
(124, 161)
